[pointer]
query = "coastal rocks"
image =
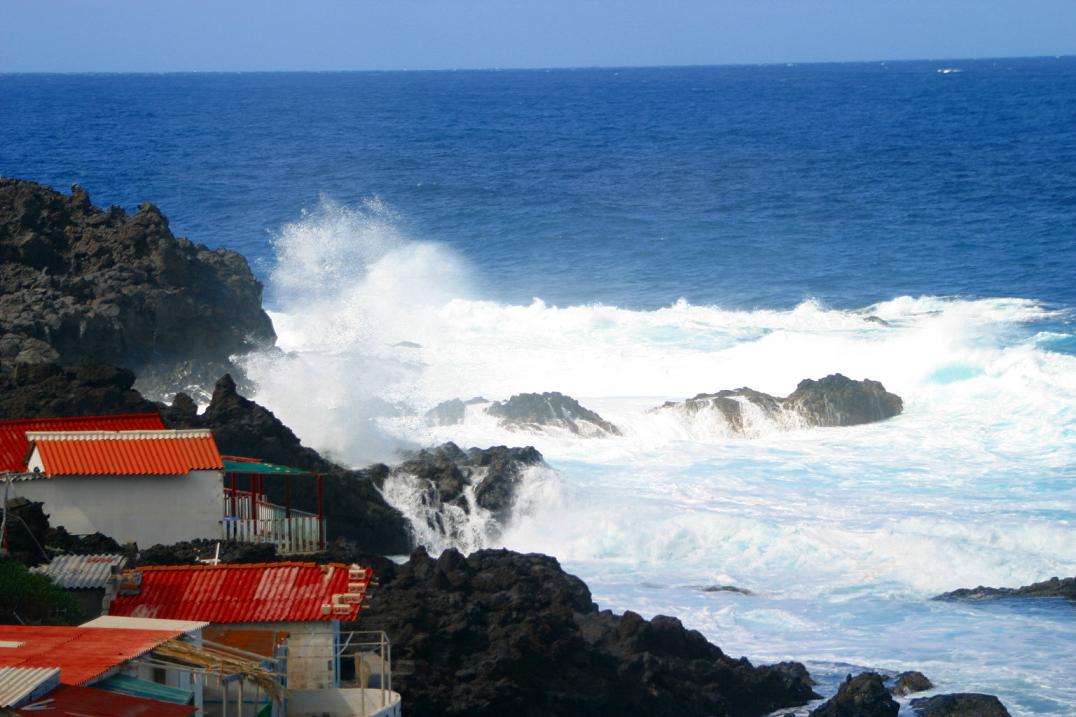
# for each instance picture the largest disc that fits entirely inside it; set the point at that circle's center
(501, 633)
(835, 400)
(42, 390)
(907, 683)
(81, 284)
(452, 412)
(966, 704)
(1052, 588)
(864, 695)
(530, 410)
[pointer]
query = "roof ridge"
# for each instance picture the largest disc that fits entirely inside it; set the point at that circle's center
(241, 566)
(104, 435)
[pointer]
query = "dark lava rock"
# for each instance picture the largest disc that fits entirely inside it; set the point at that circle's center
(726, 589)
(42, 390)
(528, 410)
(190, 552)
(499, 633)
(81, 284)
(445, 471)
(1052, 588)
(446, 413)
(835, 400)
(910, 682)
(966, 704)
(872, 319)
(864, 695)
(355, 508)
(32, 540)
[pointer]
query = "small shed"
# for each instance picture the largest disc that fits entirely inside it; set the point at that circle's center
(87, 577)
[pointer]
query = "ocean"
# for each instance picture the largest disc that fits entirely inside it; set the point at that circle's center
(633, 236)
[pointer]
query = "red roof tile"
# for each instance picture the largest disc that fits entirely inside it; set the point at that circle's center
(14, 446)
(87, 702)
(126, 452)
(82, 653)
(253, 592)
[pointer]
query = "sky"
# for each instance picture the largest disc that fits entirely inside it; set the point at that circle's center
(320, 35)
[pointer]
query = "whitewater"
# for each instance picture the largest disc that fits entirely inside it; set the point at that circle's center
(841, 535)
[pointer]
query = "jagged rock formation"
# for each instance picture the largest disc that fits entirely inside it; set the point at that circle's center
(531, 410)
(451, 412)
(499, 633)
(907, 683)
(1052, 588)
(355, 509)
(81, 284)
(835, 400)
(967, 704)
(41, 390)
(864, 695)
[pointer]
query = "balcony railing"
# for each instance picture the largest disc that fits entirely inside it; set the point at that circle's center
(250, 518)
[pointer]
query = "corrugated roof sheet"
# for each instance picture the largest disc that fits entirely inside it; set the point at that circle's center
(127, 685)
(22, 684)
(233, 464)
(82, 572)
(254, 592)
(126, 452)
(90, 702)
(82, 653)
(145, 623)
(14, 446)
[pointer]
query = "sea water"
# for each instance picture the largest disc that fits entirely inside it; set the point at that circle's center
(633, 236)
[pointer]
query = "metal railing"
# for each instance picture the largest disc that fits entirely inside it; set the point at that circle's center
(372, 655)
(249, 518)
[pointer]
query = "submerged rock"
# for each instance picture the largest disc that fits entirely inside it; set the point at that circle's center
(450, 413)
(966, 704)
(864, 695)
(835, 400)
(1052, 588)
(727, 589)
(530, 410)
(910, 682)
(499, 633)
(81, 284)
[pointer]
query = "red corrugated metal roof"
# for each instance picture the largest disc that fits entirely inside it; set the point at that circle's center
(81, 653)
(126, 452)
(87, 702)
(14, 446)
(254, 592)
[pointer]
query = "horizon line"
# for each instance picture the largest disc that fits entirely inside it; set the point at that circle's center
(774, 63)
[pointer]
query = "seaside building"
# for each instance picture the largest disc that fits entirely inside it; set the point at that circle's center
(258, 607)
(133, 480)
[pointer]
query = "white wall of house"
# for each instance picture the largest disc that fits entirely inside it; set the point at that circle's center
(312, 663)
(142, 509)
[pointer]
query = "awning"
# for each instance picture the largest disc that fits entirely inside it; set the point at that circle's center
(134, 687)
(233, 465)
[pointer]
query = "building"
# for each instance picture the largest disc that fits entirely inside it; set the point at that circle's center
(87, 577)
(305, 602)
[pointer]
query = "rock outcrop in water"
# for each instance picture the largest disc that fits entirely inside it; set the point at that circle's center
(1052, 588)
(81, 284)
(967, 704)
(864, 695)
(499, 633)
(907, 683)
(452, 412)
(835, 400)
(531, 410)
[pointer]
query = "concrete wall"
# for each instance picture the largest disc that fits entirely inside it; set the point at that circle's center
(343, 703)
(311, 651)
(141, 509)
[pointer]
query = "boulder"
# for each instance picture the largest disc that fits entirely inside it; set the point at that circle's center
(81, 284)
(966, 704)
(499, 633)
(531, 410)
(907, 683)
(835, 400)
(1053, 588)
(864, 695)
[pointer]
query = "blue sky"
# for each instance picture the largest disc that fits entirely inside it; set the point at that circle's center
(204, 35)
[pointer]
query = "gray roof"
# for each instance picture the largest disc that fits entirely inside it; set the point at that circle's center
(21, 684)
(75, 572)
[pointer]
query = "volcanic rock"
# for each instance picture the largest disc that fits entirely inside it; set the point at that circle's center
(910, 682)
(81, 284)
(42, 390)
(500, 633)
(530, 410)
(864, 695)
(1052, 588)
(835, 400)
(966, 704)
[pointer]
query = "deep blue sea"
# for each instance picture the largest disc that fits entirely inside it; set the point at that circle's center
(632, 236)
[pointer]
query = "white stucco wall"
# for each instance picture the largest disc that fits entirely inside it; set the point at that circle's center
(141, 509)
(311, 651)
